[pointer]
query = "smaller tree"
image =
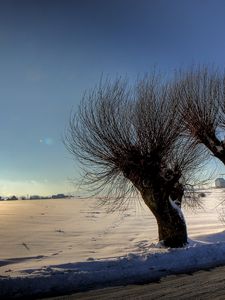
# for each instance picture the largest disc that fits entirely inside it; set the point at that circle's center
(201, 91)
(131, 140)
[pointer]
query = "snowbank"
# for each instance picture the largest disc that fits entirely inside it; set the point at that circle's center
(74, 277)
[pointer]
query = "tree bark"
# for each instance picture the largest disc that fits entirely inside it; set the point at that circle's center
(163, 196)
(172, 228)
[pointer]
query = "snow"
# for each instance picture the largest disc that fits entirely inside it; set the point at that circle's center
(177, 208)
(59, 246)
(219, 149)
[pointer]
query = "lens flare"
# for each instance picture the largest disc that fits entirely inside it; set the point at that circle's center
(47, 141)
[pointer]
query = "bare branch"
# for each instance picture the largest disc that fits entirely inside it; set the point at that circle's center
(201, 91)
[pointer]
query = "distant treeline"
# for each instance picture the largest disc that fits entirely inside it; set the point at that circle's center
(35, 197)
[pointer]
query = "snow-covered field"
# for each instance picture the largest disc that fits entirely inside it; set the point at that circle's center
(57, 246)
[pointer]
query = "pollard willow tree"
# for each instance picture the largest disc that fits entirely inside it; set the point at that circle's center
(130, 140)
(201, 90)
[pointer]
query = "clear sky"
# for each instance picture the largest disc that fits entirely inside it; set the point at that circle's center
(51, 51)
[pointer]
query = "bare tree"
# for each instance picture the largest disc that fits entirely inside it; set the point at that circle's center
(129, 140)
(202, 106)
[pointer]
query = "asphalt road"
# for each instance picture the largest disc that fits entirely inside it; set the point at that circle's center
(199, 285)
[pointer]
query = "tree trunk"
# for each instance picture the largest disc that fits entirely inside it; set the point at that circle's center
(172, 229)
(171, 223)
(216, 146)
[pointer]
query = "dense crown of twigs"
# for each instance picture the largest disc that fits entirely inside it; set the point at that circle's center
(124, 137)
(201, 90)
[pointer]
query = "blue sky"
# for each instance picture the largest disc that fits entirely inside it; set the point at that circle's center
(51, 51)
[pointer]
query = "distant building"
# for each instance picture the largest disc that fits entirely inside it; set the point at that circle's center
(220, 183)
(59, 196)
